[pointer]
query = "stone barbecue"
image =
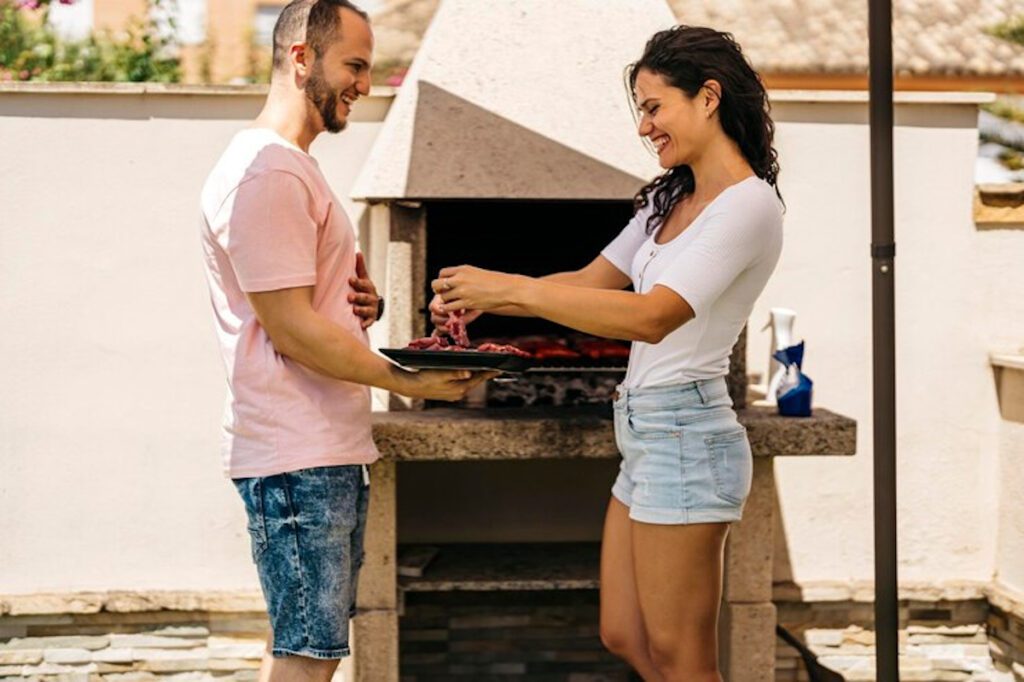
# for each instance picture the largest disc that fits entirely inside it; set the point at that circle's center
(511, 146)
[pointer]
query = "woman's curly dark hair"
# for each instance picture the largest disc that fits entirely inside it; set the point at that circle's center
(687, 57)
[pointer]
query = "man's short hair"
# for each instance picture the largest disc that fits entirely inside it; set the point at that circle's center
(314, 22)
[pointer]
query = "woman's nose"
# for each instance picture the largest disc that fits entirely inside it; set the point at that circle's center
(644, 128)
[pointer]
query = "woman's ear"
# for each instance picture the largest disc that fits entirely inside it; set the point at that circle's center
(712, 97)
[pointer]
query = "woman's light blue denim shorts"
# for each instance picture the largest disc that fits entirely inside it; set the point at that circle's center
(685, 456)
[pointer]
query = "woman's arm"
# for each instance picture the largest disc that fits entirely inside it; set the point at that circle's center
(598, 274)
(611, 314)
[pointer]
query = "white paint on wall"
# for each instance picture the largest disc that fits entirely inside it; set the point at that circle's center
(1010, 556)
(952, 306)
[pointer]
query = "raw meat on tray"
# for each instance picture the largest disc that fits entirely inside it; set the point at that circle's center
(460, 341)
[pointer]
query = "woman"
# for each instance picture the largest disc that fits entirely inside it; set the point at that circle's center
(699, 250)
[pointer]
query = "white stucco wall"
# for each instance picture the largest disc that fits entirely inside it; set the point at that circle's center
(953, 306)
(112, 385)
(1010, 545)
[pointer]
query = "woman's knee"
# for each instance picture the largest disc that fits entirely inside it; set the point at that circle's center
(621, 642)
(676, 661)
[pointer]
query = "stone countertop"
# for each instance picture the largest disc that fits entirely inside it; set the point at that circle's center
(554, 433)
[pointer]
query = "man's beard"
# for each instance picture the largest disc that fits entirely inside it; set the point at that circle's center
(325, 99)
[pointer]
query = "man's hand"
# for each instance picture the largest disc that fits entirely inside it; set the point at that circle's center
(431, 384)
(365, 301)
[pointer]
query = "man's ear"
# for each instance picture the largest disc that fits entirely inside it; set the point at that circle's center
(712, 96)
(301, 58)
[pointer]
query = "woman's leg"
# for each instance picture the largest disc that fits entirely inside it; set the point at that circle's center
(679, 587)
(622, 627)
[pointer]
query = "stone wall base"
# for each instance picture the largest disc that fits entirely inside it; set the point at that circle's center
(940, 641)
(974, 639)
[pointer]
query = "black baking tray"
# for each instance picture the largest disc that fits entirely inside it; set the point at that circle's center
(458, 359)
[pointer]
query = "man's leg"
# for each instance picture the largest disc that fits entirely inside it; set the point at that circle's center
(306, 528)
(296, 669)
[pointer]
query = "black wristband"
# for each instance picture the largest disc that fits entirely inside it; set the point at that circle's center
(380, 307)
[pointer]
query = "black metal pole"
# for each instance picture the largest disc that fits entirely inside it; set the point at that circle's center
(883, 256)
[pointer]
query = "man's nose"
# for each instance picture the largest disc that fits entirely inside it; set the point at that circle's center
(363, 83)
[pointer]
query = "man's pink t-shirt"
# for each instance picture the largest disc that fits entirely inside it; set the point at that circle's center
(270, 221)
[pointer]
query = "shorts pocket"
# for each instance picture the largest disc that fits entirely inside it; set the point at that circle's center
(251, 490)
(652, 425)
(731, 465)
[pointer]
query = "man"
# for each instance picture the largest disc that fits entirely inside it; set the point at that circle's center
(292, 301)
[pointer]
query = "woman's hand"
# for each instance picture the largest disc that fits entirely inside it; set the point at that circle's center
(467, 288)
(439, 317)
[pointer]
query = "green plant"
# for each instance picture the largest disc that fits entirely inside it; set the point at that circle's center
(31, 50)
(1004, 109)
(1012, 159)
(1012, 30)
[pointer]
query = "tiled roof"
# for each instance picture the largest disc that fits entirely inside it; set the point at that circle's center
(931, 37)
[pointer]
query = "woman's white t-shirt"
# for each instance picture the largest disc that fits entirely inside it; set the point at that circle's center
(719, 264)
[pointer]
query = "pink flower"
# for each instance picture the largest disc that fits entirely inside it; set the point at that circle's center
(24, 75)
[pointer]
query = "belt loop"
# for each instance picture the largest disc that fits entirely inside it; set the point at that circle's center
(699, 385)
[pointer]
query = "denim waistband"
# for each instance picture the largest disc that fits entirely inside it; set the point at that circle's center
(692, 393)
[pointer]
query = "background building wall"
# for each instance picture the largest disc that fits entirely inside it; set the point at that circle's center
(109, 469)
(112, 385)
(953, 308)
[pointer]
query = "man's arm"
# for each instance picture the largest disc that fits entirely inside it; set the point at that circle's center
(300, 333)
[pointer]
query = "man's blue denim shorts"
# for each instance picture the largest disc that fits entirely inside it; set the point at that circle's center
(685, 456)
(307, 532)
